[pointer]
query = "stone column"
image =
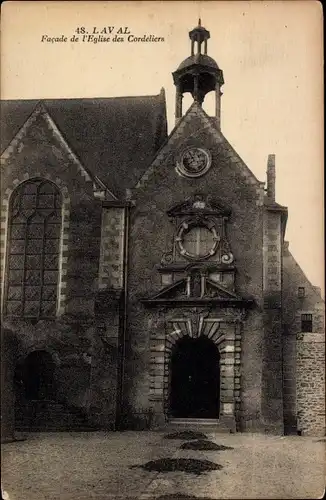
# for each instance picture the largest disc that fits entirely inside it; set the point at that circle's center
(158, 373)
(227, 365)
(237, 369)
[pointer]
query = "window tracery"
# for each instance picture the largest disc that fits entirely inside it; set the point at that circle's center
(35, 220)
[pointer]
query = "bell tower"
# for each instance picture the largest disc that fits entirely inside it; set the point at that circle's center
(198, 74)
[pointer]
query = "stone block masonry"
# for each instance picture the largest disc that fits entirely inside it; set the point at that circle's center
(111, 258)
(311, 383)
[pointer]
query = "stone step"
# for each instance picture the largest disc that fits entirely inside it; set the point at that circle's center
(199, 424)
(193, 421)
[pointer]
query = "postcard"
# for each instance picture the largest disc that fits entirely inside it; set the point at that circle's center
(162, 299)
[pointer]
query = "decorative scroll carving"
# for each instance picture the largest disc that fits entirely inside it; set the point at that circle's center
(167, 258)
(226, 254)
(200, 241)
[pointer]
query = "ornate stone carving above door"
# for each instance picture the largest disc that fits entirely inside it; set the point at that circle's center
(200, 239)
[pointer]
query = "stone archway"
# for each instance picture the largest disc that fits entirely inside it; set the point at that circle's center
(225, 333)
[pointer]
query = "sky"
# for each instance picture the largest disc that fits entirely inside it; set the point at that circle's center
(271, 54)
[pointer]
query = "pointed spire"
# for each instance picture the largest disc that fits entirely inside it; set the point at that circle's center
(199, 22)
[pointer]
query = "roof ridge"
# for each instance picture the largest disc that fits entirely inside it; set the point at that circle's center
(160, 152)
(108, 143)
(35, 99)
(219, 131)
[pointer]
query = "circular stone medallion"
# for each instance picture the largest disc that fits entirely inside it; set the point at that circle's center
(194, 162)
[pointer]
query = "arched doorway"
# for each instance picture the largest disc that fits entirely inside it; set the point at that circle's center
(195, 379)
(37, 376)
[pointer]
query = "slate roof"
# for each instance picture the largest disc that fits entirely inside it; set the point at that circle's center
(114, 138)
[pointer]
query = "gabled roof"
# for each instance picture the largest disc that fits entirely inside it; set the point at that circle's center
(41, 112)
(296, 273)
(209, 125)
(115, 138)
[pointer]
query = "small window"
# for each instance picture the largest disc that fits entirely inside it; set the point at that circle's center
(306, 322)
(301, 292)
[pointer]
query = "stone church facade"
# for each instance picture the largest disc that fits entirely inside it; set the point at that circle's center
(146, 277)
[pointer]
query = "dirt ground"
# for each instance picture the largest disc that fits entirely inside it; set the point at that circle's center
(152, 466)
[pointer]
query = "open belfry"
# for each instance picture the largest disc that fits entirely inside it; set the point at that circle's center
(146, 279)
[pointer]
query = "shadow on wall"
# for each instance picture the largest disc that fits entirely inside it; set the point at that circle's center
(51, 393)
(139, 419)
(35, 377)
(9, 353)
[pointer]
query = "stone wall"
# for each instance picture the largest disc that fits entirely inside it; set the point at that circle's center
(311, 383)
(106, 367)
(9, 349)
(289, 383)
(303, 352)
(272, 400)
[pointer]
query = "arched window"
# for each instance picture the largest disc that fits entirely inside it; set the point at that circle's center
(33, 250)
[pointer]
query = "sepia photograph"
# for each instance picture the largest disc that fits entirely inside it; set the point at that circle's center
(162, 250)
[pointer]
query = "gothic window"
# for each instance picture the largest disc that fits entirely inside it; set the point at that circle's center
(33, 250)
(301, 292)
(306, 322)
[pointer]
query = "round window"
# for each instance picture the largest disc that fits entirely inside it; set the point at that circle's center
(197, 242)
